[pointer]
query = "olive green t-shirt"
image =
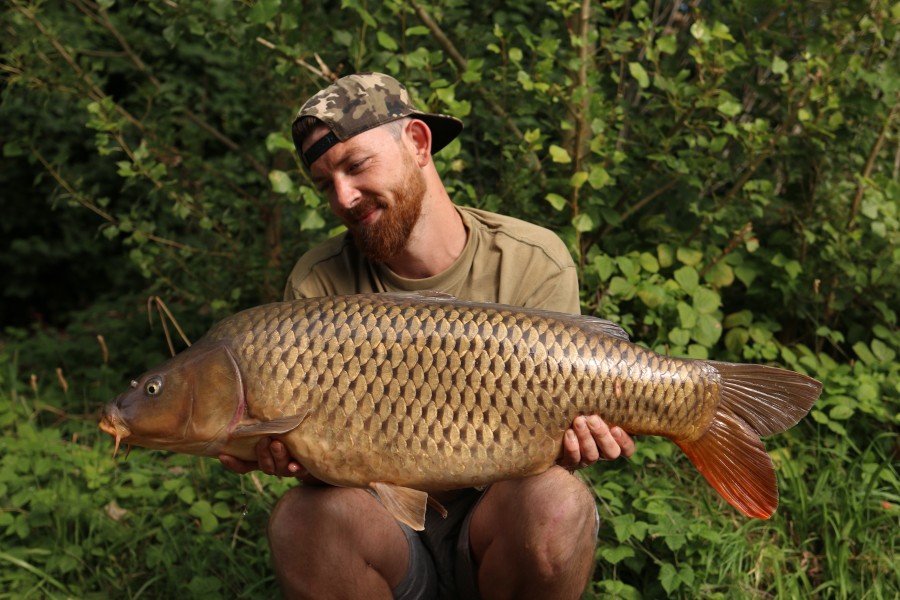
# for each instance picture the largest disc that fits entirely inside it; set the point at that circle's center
(505, 260)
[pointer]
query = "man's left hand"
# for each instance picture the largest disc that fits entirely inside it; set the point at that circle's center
(590, 439)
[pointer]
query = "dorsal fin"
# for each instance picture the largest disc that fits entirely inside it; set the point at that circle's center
(421, 295)
(588, 323)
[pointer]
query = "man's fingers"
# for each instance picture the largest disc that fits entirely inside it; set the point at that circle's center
(571, 454)
(586, 439)
(237, 465)
(624, 440)
(606, 444)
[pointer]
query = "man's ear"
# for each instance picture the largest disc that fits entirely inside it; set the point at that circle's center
(420, 136)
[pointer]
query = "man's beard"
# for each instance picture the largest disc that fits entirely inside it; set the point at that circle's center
(386, 237)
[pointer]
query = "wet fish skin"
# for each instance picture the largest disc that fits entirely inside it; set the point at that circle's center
(426, 392)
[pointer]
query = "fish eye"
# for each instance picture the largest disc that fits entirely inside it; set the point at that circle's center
(153, 386)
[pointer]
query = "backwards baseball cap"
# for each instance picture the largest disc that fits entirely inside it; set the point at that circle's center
(359, 102)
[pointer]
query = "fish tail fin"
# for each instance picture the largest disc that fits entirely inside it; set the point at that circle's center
(755, 400)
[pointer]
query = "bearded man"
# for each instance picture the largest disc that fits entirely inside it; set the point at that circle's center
(369, 150)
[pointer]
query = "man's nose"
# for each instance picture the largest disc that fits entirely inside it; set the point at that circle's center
(346, 195)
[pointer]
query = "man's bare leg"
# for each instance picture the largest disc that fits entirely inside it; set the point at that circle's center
(330, 542)
(535, 537)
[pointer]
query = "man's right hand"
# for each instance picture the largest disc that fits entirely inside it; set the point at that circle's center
(272, 458)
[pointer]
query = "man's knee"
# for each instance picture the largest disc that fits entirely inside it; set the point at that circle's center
(565, 525)
(303, 513)
(313, 528)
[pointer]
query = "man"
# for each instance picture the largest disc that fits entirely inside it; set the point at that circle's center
(369, 150)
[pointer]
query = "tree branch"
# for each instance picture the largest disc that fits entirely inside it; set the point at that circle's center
(869, 167)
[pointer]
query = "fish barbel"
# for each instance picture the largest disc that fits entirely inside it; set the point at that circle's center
(405, 394)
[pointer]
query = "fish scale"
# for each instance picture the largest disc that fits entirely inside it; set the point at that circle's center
(410, 393)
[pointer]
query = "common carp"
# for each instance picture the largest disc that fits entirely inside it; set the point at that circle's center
(406, 394)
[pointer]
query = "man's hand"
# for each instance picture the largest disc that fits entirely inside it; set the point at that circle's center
(272, 458)
(590, 439)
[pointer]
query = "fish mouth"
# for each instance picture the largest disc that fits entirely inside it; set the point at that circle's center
(113, 425)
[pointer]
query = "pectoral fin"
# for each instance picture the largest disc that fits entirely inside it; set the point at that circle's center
(405, 504)
(273, 427)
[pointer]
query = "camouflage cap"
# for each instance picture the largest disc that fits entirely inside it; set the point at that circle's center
(359, 102)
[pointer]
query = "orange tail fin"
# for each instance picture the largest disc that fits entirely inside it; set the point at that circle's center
(755, 400)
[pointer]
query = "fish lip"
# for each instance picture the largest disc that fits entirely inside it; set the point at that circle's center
(112, 424)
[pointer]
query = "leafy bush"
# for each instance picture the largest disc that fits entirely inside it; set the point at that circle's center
(724, 173)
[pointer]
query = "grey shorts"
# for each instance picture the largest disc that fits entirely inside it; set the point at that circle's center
(441, 566)
(440, 560)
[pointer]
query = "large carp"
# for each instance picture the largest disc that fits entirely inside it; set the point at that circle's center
(409, 393)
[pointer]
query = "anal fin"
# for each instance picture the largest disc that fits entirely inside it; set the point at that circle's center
(405, 504)
(732, 458)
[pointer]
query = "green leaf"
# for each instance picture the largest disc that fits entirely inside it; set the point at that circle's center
(605, 266)
(637, 71)
(687, 315)
(627, 526)
(736, 339)
(730, 108)
(186, 494)
(779, 66)
(598, 177)
(739, 319)
(720, 31)
(559, 154)
(699, 31)
(386, 41)
(689, 256)
(311, 220)
(667, 44)
(652, 295)
(263, 11)
(679, 337)
(577, 180)
(556, 201)
(864, 354)
(281, 182)
(883, 352)
(276, 141)
(583, 223)
(687, 278)
(616, 554)
(627, 267)
(668, 577)
(706, 301)
(13, 148)
(649, 262)
(841, 412)
(619, 286)
(707, 331)
(720, 275)
(665, 255)
(747, 274)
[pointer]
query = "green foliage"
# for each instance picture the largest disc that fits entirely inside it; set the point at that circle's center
(74, 522)
(724, 173)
